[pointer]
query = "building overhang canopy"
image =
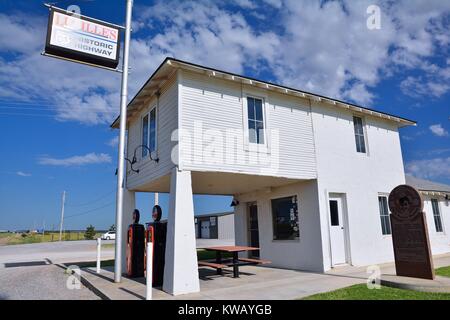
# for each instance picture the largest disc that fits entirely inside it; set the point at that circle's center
(170, 65)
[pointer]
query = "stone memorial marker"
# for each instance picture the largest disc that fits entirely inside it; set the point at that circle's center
(410, 234)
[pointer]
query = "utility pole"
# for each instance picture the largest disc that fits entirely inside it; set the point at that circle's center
(62, 215)
(121, 165)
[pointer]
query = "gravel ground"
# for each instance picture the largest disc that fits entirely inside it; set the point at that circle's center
(43, 282)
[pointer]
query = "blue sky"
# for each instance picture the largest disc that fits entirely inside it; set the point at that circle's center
(55, 115)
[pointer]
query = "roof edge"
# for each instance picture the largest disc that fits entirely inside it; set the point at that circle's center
(405, 121)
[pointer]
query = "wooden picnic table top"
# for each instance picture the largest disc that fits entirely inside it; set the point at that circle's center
(231, 248)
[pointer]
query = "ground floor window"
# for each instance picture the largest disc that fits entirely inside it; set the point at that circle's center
(384, 215)
(437, 216)
(285, 218)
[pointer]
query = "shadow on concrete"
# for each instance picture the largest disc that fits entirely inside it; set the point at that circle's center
(209, 274)
(25, 264)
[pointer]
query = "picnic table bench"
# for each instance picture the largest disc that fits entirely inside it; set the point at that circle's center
(235, 262)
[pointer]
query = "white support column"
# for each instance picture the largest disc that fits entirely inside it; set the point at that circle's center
(129, 204)
(181, 268)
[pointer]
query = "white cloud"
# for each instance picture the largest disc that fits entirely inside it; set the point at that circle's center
(274, 3)
(23, 174)
(114, 142)
(438, 130)
(320, 46)
(248, 4)
(90, 158)
(430, 168)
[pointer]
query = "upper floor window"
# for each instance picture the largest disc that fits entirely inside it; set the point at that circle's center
(149, 132)
(285, 218)
(255, 120)
(359, 134)
(384, 215)
(437, 215)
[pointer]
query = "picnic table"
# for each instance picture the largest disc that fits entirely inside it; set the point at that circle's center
(235, 261)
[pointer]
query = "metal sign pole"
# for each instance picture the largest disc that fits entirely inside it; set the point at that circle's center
(121, 165)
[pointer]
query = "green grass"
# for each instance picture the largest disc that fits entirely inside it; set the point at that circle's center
(444, 271)
(16, 238)
(207, 255)
(361, 292)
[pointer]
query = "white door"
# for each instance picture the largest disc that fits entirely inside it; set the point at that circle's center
(337, 232)
(205, 229)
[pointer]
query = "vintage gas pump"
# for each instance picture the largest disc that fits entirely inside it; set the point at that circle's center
(156, 236)
(135, 247)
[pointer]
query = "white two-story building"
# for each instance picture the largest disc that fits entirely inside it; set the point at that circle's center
(309, 174)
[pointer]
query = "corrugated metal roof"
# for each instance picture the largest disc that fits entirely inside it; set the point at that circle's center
(426, 185)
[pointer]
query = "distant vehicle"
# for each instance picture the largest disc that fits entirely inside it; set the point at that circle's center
(110, 235)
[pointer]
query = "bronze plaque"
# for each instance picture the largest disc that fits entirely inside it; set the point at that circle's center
(410, 234)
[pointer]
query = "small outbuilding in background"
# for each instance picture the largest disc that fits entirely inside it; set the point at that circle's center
(215, 226)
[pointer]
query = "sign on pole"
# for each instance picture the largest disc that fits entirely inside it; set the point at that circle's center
(83, 39)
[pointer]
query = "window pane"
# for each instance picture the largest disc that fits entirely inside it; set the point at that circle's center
(251, 108)
(252, 138)
(384, 215)
(334, 213)
(258, 110)
(260, 132)
(152, 144)
(437, 215)
(285, 218)
(145, 135)
(359, 135)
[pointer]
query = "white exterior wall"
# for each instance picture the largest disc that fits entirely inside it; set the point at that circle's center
(305, 253)
(218, 105)
(167, 122)
(360, 177)
(440, 241)
(225, 227)
(317, 146)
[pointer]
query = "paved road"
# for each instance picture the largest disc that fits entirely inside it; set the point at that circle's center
(33, 271)
(56, 252)
(46, 282)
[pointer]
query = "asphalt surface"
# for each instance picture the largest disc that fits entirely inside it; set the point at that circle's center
(36, 272)
(56, 252)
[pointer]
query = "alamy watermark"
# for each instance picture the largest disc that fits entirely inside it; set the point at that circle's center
(73, 282)
(374, 20)
(212, 146)
(374, 279)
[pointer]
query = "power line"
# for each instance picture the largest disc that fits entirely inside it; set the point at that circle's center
(90, 202)
(86, 110)
(89, 211)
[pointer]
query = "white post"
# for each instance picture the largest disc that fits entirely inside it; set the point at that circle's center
(149, 279)
(156, 198)
(62, 215)
(99, 248)
(121, 165)
(181, 268)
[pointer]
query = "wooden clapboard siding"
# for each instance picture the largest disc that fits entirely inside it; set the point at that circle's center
(167, 122)
(217, 103)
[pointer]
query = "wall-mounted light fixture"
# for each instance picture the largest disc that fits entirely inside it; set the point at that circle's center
(131, 166)
(234, 203)
(143, 146)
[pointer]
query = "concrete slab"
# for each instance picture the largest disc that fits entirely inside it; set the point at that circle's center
(256, 282)
(439, 284)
